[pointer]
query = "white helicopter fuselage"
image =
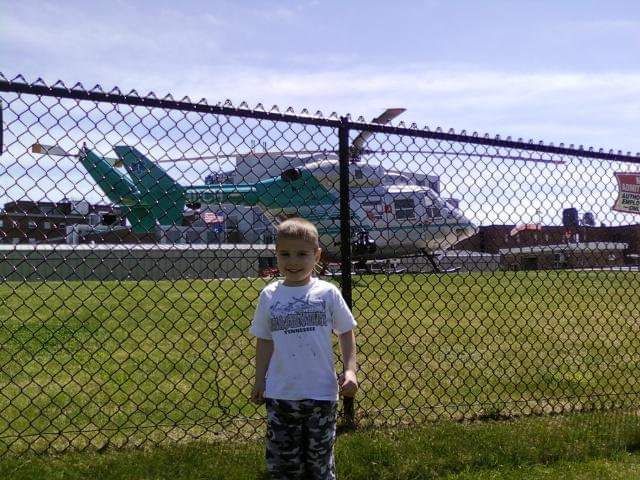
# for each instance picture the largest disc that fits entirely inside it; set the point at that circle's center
(406, 218)
(398, 219)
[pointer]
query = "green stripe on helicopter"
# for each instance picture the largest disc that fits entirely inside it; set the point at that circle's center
(272, 193)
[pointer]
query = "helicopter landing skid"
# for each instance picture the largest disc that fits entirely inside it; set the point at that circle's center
(437, 268)
(361, 267)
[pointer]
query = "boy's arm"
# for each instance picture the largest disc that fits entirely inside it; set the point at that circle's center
(264, 349)
(348, 380)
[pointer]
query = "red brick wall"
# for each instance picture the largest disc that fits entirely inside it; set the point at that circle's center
(492, 238)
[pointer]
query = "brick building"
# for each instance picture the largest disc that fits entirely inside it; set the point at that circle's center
(28, 221)
(571, 255)
(493, 238)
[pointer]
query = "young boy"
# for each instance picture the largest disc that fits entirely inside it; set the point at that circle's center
(295, 374)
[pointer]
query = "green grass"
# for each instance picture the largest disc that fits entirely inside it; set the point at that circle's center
(114, 364)
(583, 446)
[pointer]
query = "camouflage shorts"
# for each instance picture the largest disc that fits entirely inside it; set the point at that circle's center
(300, 438)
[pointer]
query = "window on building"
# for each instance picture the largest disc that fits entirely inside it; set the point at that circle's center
(31, 224)
(46, 225)
(405, 208)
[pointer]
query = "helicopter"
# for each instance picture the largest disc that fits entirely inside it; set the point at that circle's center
(387, 220)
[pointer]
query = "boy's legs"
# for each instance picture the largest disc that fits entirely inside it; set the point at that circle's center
(285, 444)
(300, 439)
(320, 433)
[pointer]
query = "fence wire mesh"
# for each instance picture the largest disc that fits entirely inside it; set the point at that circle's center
(490, 278)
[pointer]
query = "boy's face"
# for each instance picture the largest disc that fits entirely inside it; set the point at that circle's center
(296, 259)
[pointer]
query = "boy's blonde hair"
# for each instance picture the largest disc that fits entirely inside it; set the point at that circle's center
(299, 229)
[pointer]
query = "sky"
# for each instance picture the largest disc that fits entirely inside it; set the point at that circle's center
(554, 71)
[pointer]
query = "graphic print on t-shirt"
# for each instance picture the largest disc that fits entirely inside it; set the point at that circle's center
(298, 315)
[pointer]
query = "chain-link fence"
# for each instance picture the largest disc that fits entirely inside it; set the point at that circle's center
(490, 278)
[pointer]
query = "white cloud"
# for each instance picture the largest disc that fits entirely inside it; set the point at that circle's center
(592, 109)
(271, 13)
(602, 110)
(607, 26)
(218, 54)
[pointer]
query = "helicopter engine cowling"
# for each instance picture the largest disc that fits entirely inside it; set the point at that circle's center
(290, 175)
(327, 172)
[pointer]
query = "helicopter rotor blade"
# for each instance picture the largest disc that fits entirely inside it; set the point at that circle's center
(469, 154)
(358, 143)
(386, 116)
(271, 153)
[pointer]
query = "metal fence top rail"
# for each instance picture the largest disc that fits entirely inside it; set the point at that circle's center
(63, 247)
(115, 96)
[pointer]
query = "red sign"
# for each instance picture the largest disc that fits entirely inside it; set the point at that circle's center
(628, 200)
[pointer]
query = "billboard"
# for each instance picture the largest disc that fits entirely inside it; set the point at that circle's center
(628, 200)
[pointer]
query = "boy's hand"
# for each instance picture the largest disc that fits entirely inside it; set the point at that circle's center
(257, 394)
(348, 383)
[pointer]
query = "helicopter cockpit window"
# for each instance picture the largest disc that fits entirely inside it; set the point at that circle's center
(437, 202)
(405, 208)
(433, 212)
(434, 198)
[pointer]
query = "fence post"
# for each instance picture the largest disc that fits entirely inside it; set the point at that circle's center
(345, 242)
(1, 130)
(345, 212)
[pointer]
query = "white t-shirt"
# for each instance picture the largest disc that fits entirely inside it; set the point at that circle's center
(300, 320)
